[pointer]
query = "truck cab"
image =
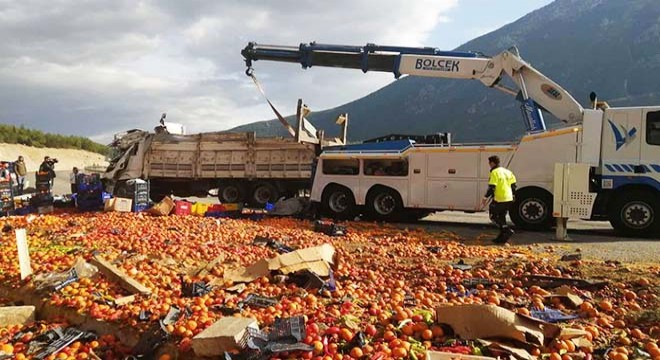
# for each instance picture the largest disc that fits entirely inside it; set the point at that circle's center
(627, 179)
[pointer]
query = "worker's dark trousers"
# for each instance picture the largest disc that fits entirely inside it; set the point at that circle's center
(498, 212)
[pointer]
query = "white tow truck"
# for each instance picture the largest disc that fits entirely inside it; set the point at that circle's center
(618, 149)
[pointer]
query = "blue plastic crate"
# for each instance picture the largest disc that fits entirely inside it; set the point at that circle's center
(216, 214)
(140, 207)
(23, 211)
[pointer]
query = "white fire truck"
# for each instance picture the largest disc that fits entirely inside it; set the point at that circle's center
(618, 147)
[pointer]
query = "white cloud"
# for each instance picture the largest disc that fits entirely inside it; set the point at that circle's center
(97, 67)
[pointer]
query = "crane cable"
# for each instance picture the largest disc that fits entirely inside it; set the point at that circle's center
(250, 72)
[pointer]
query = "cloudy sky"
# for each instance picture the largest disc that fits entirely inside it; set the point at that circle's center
(94, 68)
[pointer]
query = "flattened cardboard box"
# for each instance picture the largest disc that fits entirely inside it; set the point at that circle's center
(316, 259)
(472, 322)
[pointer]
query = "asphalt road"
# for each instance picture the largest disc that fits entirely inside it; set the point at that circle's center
(595, 239)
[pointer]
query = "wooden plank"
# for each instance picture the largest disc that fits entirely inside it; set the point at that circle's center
(114, 274)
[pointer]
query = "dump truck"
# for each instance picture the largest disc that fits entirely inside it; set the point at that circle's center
(243, 167)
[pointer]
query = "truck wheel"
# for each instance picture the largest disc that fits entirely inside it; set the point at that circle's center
(263, 193)
(635, 213)
(384, 204)
(338, 203)
(532, 210)
(121, 190)
(231, 192)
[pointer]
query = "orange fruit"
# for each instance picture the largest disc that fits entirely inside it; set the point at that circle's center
(408, 330)
(7, 349)
(586, 306)
(165, 357)
(427, 334)
(637, 334)
(437, 331)
(356, 353)
(605, 305)
(555, 356)
(389, 335)
(318, 347)
(621, 349)
(399, 352)
(618, 356)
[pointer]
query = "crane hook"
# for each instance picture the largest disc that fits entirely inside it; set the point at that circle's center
(249, 71)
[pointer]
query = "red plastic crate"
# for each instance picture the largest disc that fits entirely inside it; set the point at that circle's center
(182, 208)
(216, 208)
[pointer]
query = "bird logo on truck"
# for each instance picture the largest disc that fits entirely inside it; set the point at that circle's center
(622, 136)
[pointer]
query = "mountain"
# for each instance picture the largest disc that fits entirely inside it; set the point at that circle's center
(611, 47)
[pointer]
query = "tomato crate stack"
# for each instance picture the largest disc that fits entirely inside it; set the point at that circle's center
(140, 191)
(6, 197)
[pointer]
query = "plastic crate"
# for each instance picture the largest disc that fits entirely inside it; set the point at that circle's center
(199, 209)
(141, 197)
(216, 214)
(23, 211)
(182, 208)
(140, 207)
(89, 204)
(290, 328)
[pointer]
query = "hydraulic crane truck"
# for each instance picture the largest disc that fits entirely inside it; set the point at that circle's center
(619, 147)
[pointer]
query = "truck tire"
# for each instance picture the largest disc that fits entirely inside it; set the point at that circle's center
(338, 203)
(263, 193)
(635, 213)
(231, 192)
(384, 204)
(121, 190)
(532, 210)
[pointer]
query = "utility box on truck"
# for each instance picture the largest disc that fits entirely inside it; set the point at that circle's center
(572, 198)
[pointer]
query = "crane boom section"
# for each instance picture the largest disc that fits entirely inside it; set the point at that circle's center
(535, 89)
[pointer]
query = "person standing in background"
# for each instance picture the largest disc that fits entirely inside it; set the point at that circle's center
(501, 189)
(48, 167)
(73, 177)
(5, 175)
(21, 171)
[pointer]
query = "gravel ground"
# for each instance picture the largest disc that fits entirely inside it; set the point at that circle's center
(595, 239)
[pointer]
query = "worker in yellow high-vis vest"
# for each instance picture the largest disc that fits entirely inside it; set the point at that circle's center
(501, 189)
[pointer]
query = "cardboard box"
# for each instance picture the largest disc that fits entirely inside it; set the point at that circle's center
(315, 259)
(224, 335)
(163, 208)
(471, 322)
(118, 204)
(16, 315)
